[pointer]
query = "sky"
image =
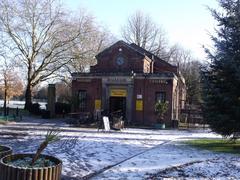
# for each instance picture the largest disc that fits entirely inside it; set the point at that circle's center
(185, 22)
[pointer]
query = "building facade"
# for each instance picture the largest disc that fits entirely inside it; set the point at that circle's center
(129, 79)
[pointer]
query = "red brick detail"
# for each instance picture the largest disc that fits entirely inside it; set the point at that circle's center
(93, 88)
(148, 90)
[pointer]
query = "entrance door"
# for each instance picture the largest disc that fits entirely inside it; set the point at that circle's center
(118, 104)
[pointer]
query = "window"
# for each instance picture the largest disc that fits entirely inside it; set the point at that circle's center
(160, 96)
(82, 97)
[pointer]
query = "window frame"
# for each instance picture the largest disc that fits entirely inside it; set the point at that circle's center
(159, 95)
(82, 105)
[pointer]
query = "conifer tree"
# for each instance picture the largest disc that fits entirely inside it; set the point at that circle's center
(221, 79)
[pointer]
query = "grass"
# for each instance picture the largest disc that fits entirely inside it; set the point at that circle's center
(12, 111)
(2, 121)
(216, 145)
(12, 115)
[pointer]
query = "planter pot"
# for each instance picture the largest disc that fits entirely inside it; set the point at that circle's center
(5, 150)
(10, 172)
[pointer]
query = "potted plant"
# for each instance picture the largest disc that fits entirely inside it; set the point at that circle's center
(161, 108)
(5, 150)
(32, 166)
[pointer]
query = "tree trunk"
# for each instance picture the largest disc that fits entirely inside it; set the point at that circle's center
(28, 97)
(42, 146)
(5, 101)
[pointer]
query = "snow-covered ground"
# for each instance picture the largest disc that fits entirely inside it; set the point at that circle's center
(219, 167)
(172, 161)
(127, 154)
(20, 104)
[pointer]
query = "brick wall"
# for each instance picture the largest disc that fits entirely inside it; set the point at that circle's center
(139, 62)
(147, 88)
(106, 62)
(93, 88)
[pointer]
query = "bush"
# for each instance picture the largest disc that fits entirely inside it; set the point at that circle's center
(161, 108)
(62, 108)
(35, 109)
(45, 114)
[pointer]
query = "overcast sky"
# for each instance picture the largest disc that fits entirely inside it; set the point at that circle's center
(186, 22)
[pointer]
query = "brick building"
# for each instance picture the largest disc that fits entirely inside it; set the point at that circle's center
(131, 79)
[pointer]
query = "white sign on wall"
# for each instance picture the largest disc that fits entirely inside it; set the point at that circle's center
(139, 96)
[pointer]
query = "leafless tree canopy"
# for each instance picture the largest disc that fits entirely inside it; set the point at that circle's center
(190, 69)
(43, 39)
(94, 40)
(141, 30)
(46, 41)
(10, 83)
(63, 93)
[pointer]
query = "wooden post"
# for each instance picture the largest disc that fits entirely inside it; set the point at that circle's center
(51, 99)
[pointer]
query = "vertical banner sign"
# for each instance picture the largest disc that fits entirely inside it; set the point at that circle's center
(97, 104)
(139, 105)
(106, 123)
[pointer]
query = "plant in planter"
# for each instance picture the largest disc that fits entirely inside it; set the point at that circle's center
(5, 150)
(32, 166)
(161, 108)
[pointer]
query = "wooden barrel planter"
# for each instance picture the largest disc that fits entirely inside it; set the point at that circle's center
(10, 172)
(5, 150)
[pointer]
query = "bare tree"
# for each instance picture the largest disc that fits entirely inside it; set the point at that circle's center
(63, 93)
(10, 83)
(179, 56)
(13, 85)
(190, 69)
(91, 44)
(40, 92)
(39, 35)
(83, 53)
(141, 30)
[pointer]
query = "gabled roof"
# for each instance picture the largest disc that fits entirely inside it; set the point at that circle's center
(149, 54)
(141, 51)
(120, 43)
